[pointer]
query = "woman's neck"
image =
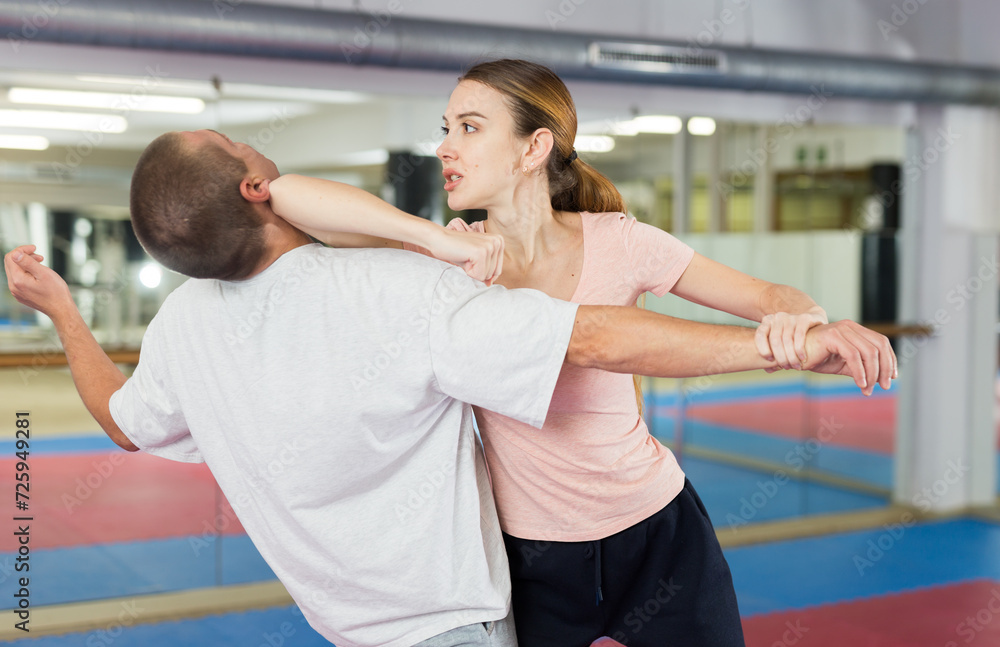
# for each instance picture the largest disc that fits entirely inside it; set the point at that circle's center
(528, 225)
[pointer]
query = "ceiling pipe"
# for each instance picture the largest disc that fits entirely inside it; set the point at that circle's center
(236, 27)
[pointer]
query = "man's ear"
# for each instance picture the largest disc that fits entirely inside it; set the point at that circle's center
(254, 188)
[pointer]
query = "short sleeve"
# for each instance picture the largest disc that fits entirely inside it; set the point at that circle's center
(496, 348)
(146, 407)
(658, 259)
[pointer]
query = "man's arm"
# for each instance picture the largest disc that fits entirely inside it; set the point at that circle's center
(95, 375)
(631, 340)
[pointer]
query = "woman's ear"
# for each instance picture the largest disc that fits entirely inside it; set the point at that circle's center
(255, 188)
(539, 148)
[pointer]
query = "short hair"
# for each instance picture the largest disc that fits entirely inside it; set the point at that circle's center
(188, 213)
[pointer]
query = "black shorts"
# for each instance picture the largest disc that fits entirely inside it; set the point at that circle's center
(660, 583)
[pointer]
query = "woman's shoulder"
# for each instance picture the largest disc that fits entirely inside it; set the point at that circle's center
(609, 224)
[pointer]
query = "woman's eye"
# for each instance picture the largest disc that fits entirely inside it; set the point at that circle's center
(469, 128)
(444, 130)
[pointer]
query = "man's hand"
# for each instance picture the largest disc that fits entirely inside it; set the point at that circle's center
(848, 348)
(781, 337)
(480, 255)
(35, 285)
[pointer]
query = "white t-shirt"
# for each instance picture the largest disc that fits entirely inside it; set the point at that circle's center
(326, 394)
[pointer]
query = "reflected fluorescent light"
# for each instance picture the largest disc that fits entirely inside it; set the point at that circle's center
(24, 142)
(82, 227)
(658, 124)
(701, 125)
(62, 121)
(361, 158)
(594, 143)
(140, 102)
(624, 128)
(313, 95)
(145, 82)
(150, 275)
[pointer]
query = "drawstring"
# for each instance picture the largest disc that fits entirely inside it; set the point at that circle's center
(597, 570)
(594, 550)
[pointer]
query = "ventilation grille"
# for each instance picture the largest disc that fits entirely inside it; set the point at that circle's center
(656, 58)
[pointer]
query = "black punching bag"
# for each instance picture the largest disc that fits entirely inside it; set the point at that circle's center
(414, 184)
(878, 249)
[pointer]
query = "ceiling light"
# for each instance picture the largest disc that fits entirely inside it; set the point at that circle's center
(658, 124)
(701, 125)
(62, 121)
(140, 102)
(150, 275)
(24, 142)
(312, 95)
(594, 143)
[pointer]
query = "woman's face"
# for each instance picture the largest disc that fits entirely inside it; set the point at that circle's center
(480, 152)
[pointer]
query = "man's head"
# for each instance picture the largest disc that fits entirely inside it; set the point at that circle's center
(199, 204)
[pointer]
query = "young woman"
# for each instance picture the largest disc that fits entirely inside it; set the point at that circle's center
(604, 534)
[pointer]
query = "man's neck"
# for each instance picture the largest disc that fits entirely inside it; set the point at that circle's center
(280, 240)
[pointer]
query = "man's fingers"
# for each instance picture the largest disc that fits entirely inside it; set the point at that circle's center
(853, 360)
(886, 363)
(870, 356)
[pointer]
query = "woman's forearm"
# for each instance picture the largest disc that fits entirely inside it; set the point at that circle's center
(784, 298)
(345, 216)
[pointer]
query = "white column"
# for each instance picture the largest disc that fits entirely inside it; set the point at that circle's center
(947, 448)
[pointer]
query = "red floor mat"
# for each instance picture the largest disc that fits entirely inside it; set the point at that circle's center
(103, 497)
(945, 616)
(868, 423)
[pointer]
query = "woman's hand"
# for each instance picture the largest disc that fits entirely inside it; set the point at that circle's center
(480, 255)
(781, 337)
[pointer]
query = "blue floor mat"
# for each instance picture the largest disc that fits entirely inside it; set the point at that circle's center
(60, 575)
(805, 572)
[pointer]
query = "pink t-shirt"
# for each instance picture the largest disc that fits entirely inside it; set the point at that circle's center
(593, 469)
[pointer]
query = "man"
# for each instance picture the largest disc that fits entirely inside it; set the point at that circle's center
(355, 367)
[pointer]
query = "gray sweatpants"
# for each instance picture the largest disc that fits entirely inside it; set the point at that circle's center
(482, 634)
